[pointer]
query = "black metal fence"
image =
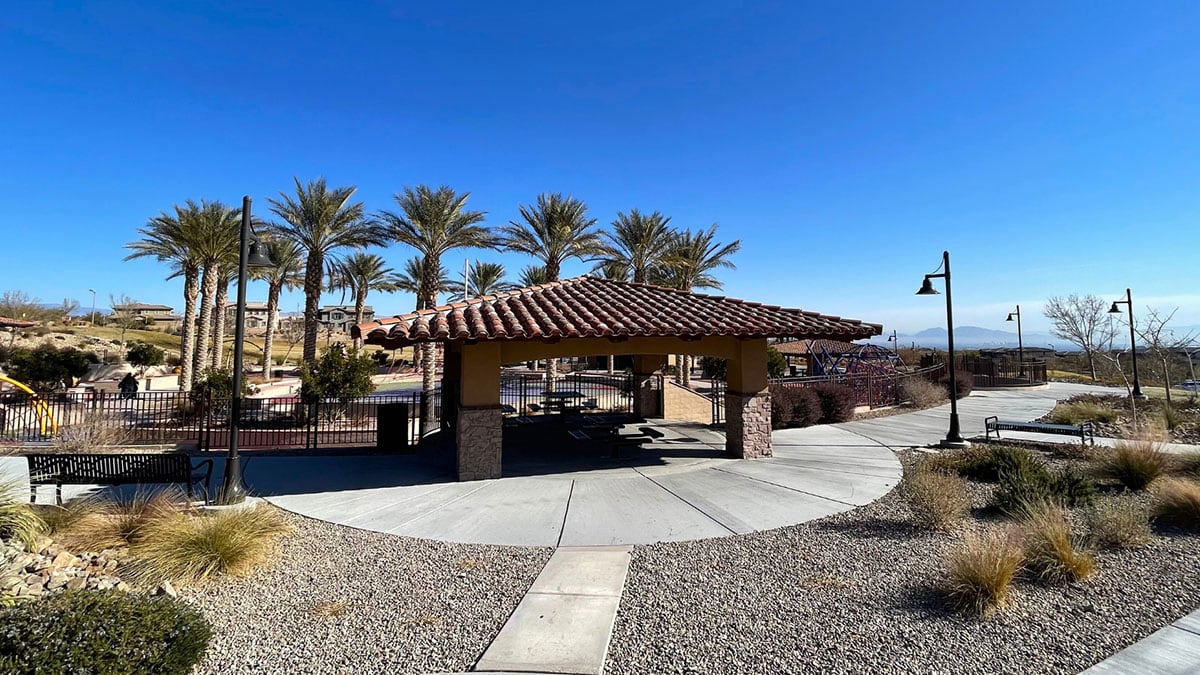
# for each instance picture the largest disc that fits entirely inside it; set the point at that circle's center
(526, 393)
(997, 371)
(873, 390)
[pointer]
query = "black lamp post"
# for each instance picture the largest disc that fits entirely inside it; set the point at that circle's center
(233, 490)
(954, 437)
(894, 339)
(1128, 302)
(1020, 342)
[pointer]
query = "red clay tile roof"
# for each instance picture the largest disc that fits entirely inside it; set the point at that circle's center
(6, 322)
(832, 348)
(594, 307)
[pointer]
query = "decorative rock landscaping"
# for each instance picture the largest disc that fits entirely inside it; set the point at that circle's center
(25, 575)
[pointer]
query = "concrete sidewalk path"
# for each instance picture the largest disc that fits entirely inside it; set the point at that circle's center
(564, 623)
(1174, 650)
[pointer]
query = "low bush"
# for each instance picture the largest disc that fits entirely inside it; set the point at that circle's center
(1133, 463)
(837, 402)
(921, 393)
(1187, 464)
(1027, 483)
(18, 522)
(1121, 522)
(1177, 503)
(794, 407)
(97, 523)
(938, 501)
(186, 549)
(1082, 411)
(1053, 552)
(980, 572)
(1171, 417)
(101, 632)
(964, 383)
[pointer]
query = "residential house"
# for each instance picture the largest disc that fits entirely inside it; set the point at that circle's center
(160, 317)
(256, 315)
(341, 317)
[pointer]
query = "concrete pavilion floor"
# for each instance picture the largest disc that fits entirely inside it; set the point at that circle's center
(679, 488)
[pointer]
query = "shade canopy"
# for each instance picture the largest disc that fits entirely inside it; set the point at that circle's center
(592, 307)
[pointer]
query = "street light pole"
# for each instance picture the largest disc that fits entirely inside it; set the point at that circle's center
(1020, 342)
(1128, 302)
(93, 306)
(954, 437)
(233, 489)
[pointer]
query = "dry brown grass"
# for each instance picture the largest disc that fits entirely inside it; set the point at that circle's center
(981, 570)
(1121, 522)
(921, 393)
(186, 549)
(1187, 464)
(937, 500)
(1053, 552)
(92, 430)
(1177, 502)
(18, 521)
(330, 608)
(98, 523)
(1134, 462)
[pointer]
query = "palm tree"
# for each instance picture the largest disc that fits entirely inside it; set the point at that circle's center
(170, 238)
(286, 272)
(434, 222)
(321, 220)
(409, 281)
(636, 244)
(218, 229)
(228, 270)
(532, 275)
(555, 230)
(361, 273)
(689, 265)
(487, 279)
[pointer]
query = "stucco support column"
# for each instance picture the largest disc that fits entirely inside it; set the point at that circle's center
(748, 402)
(647, 395)
(479, 429)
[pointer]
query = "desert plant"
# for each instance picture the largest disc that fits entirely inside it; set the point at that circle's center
(938, 501)
(186, 548)
(95, 429)
(17, 521)
(1053, 552)
(1187, 464)
(964, 383)
(794, 407)
(981, 570)
(1133, 463)
(1171, 417)
(921, 393)
(972, 461)
(97, 523)
(1119, 523)
(1082, 411)
(837, 401)
(990, 462)
(110, 632)
(1177, 502)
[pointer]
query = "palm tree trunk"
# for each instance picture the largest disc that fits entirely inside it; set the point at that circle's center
(551, 374)
(360, 304)
(220, 312)
(208, 288)
(187, 338)
(272, 319)
(687, 371)
(429, 290)
(314, 273)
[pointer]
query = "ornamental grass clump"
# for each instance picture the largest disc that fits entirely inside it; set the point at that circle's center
(18, 522)
(1135, 463)
(1177, 503)
(1187, 464)
(98, 523)
(921, 393)
(1082, 411)
(980, 572)
(188, 549)
(1121, 522)
(1054, 553)
(938, 501)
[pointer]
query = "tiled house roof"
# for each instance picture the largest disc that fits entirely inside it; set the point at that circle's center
(594, 307)
(6, 322)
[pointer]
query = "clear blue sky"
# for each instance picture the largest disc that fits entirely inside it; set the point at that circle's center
(1054, 148)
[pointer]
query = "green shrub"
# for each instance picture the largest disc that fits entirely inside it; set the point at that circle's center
(1053, 552)
(938, 501)
(1082, 411)
(973, 461)
(777, 365)
(921, 393)
(794, 407)
(1024, 483)
(339, 373)
(981, 571)
(1119, 523)
(837, 401)
(1177, 502)
(1133, 463)
(103, 633)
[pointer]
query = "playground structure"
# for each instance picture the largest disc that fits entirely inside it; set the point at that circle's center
(22, 416)
(830, 358)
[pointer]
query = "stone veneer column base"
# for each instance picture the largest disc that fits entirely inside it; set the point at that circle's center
(748, 425)
(479, 438)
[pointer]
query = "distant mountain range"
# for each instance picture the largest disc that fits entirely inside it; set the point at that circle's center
(974, 337)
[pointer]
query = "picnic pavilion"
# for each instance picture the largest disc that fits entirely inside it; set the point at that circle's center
(591, 316)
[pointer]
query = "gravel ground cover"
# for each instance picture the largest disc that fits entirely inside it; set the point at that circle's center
(857, 592)
(341, 600)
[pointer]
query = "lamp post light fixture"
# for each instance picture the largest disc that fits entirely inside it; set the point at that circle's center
(93, 305)
(954, 437)
(1020, 341)
(233, 489)
(1128, 302)
(894, 339)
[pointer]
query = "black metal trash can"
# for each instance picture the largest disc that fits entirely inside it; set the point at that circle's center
(392, 428)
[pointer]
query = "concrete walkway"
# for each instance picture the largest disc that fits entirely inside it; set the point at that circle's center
(1174, 650)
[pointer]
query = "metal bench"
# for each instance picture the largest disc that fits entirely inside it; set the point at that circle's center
(115, 469)
(1083, 431)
